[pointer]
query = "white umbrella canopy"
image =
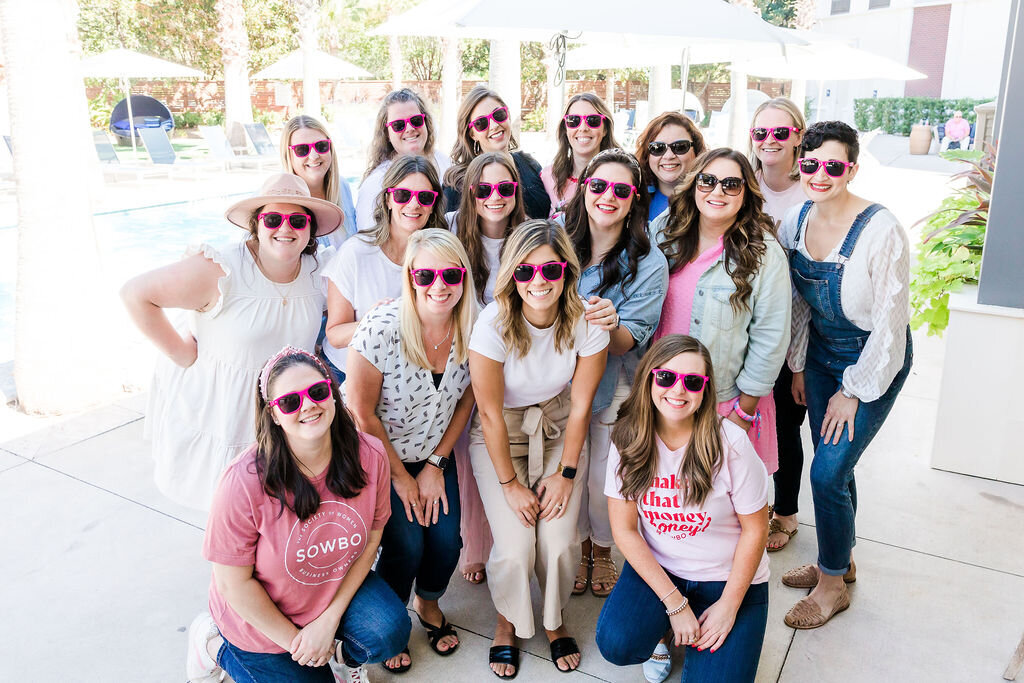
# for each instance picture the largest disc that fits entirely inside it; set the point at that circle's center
(326, 66)
(122, 63)
(824, 59)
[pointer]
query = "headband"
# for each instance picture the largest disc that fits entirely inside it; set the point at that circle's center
(618, 153)
(284, 353)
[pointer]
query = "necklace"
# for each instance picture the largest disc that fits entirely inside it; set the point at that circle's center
(438, 344)
(288, 289)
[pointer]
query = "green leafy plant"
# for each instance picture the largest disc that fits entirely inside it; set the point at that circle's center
(949, 254)
(896, 115)
(187, 119)
(534, 120)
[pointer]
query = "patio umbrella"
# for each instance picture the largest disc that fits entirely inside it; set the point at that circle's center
(329, 67)
(127, 64)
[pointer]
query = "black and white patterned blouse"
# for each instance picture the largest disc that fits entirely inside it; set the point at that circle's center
(414, 413)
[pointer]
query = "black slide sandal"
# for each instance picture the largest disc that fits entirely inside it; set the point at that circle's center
(504, 654)
(563, 647)
(399, 669)
(436, 633)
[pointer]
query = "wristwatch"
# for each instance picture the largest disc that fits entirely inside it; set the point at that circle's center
(567, 472)
(438, 461)
(845, 393)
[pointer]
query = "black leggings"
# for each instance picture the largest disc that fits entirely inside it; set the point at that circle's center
(788, 418)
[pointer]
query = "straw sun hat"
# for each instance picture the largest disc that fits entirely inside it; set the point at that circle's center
(286, 188)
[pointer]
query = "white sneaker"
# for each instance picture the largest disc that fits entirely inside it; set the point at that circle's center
(355, 675)
(200, 667)
(659, 666)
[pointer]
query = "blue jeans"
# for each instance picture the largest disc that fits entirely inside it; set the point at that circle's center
(375, 627)
(427, 555)
(832, 483)
(633, 620)
(339, 376)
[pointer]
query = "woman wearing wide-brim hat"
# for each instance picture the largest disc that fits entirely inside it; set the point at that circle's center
(245, 302)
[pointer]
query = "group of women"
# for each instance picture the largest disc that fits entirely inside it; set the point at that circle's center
(518, 369)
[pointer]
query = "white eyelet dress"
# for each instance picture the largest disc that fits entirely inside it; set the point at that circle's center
(199, 418)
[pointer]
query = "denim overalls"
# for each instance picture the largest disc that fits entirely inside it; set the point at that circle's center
(835, 344)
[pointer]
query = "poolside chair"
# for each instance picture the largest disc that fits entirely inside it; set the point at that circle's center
(220, 149)
(159, 148)
(111, 163)
(260, 138)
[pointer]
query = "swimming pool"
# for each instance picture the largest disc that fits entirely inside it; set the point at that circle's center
(131, 242)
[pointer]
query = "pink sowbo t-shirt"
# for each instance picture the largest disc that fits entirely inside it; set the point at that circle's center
(547, 176)
(698, 543)
(299, 563)
(682, 284)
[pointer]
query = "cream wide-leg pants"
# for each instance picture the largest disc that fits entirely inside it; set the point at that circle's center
(551, 548)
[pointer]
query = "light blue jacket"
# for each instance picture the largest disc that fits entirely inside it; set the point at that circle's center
(639, 309)
(747, 347)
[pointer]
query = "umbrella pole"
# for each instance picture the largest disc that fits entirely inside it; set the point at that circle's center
(684, 76)
(131, 118)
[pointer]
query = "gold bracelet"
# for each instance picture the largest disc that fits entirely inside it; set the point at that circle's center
(679, 609)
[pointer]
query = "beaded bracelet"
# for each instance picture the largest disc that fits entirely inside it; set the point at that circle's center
(674, 589)
(679, 609)
(755, 418)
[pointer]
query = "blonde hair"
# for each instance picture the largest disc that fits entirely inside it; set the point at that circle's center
(403, 167)
(531, 235)
(381, 148)
(332, 179)
(445, 245)
(636, 428)
(561, 167)
(789, 107)
(467, 220)
(466, 148)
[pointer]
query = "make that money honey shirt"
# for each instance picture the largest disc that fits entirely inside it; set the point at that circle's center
(698, 542)
(299, 562)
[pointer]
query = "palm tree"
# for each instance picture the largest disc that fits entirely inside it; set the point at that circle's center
(62, 342)
(234, 44)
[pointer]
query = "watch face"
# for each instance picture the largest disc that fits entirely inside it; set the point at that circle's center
(569, 472)
(438, 461)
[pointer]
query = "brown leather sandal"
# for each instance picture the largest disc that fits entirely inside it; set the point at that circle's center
(807, 576)
(604, 573)
(775, 527)
(807, 615)
(586, 565)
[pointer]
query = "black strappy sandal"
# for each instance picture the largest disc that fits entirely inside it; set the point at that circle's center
(399, 669)
(563, 647)
(504, 654)
(436, 633)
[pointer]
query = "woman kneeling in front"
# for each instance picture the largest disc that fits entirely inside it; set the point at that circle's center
(696, 564)
(293, 531)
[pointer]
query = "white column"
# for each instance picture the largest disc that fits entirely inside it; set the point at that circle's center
(506, 79)
(738, 118)
(451, 93)
(395, 49)
(658, 90)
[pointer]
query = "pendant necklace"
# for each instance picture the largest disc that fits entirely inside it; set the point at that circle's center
(438, 344)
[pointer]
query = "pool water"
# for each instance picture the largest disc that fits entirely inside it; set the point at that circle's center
(131, 242)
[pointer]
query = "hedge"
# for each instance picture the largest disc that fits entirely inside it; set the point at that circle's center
(895, 115)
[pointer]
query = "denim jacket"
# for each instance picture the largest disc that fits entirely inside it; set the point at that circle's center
(748, 346)
(639, 309)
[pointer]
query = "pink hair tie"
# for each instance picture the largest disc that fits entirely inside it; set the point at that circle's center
(755, 418)
(288, 350)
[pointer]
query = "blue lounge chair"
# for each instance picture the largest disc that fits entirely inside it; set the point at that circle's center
(220, 149)
(261, 139)
(159, 148)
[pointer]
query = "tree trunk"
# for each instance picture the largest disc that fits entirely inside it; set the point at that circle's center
(234, 45)
(64, 342)
(308, 15)
(395, 48)
(804, 18)
(506, 79)
(556, 94)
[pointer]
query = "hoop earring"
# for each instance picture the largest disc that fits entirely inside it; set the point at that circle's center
(476, 148)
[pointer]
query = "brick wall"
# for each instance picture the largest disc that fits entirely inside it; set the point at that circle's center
(928, 38)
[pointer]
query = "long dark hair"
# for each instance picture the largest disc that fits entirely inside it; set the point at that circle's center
(643, 154)
(744, 241)
(276, 466)
(561, 167)
(467, 221)
(633, 240)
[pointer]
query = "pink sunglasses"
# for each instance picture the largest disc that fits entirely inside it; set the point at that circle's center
(317, 392)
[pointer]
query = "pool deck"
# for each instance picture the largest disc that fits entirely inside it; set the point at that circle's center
(102, 574)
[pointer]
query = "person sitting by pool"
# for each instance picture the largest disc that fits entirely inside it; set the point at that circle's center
(957, 129)
(408, 385)
(367, 270)
(292, 534)
(688, 501)
(244, 303)
(586, 128)
(527, 439)
(404, 125)
(666, 151)
(483, 124)
(307, 151)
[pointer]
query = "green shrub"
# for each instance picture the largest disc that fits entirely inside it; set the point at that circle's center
(896, 115)
(534, 121)
(187, 119)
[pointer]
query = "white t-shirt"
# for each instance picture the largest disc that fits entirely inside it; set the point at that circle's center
(364, 276)
(492, 250)
(691, 542)
(544, 372)
(374, 183)
(776, 204)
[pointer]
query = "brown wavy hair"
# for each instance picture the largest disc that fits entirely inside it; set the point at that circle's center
(743, 240)
(633, 240)
(651, 131)
(524, 239)
(561, 167)
(275, 463)
(403, 167)
(381, 148)
(467, 220)
(466, 148)
(636, 429)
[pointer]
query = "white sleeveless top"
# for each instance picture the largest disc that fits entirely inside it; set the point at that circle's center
(199, 418)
